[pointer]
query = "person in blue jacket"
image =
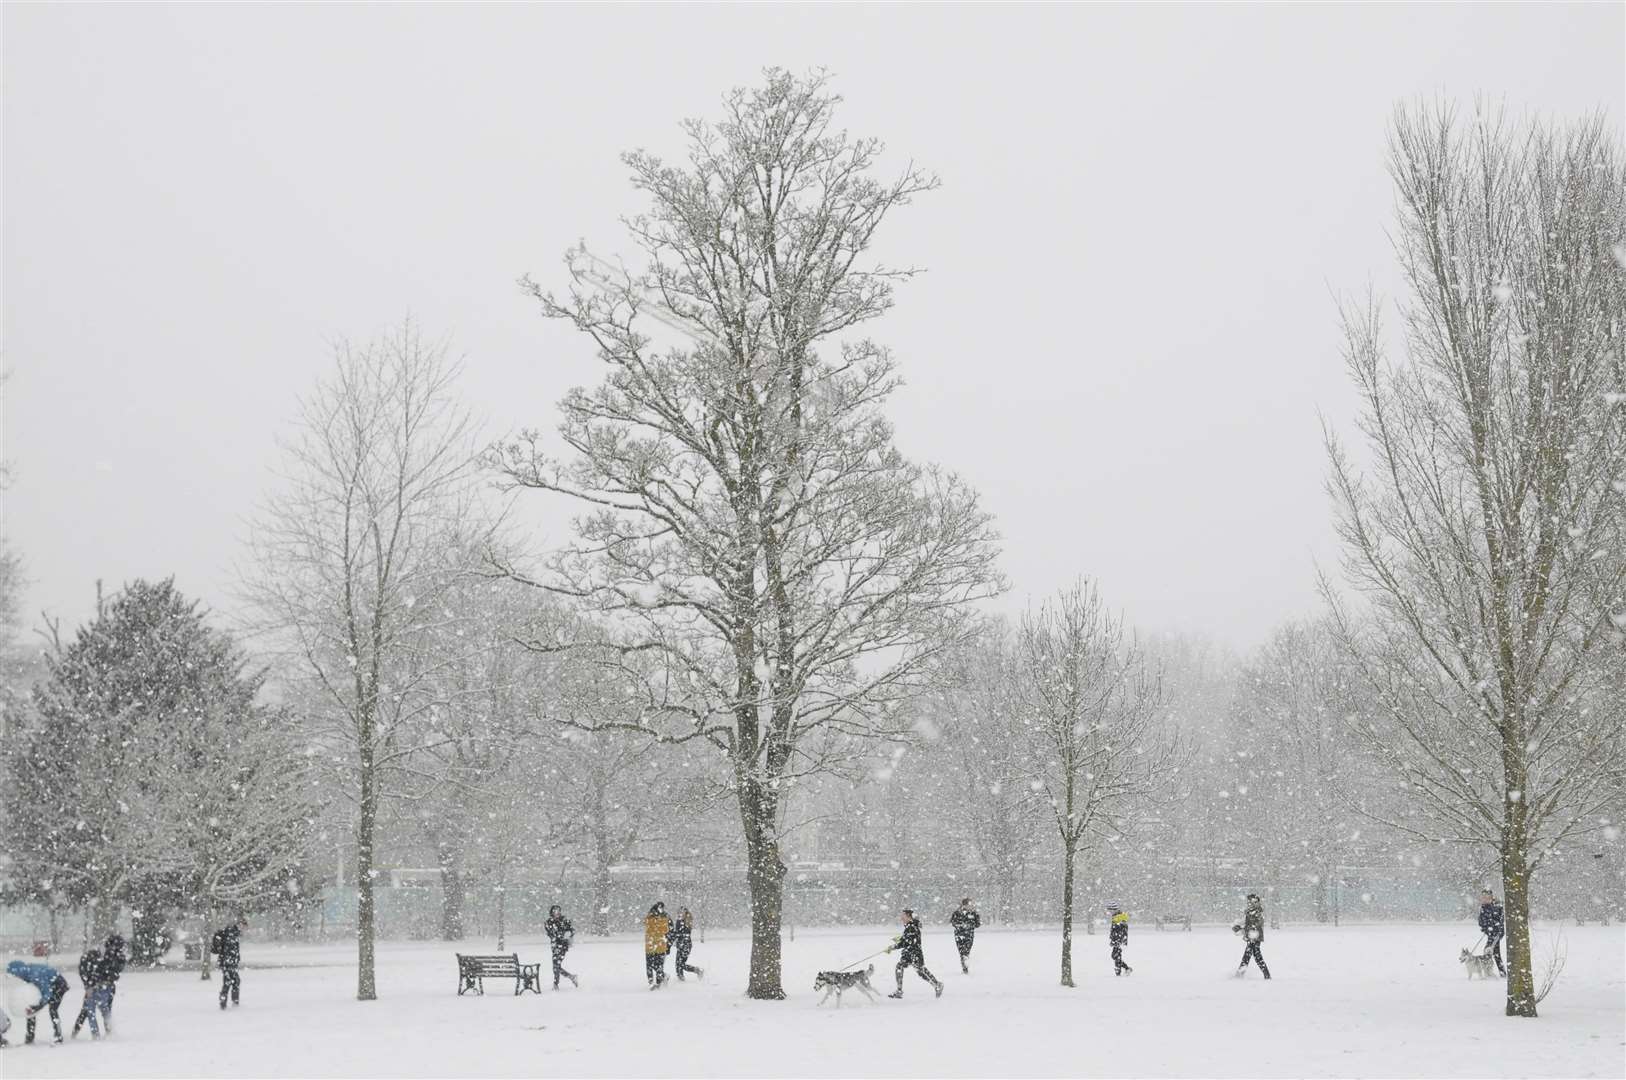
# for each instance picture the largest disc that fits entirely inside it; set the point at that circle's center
(52, 987)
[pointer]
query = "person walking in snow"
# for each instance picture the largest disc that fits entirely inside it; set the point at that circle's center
(561, 935)
(682, 938)
(912, 954)
(93, 975)
(657, 925)
(115, 954)
(1491, 924)
(1252, 929)
(1118, 938)
(52, 989)
(227, 948)
(965, 921)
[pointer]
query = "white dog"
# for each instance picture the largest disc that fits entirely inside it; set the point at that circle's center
(1479, 965)
(834, 982)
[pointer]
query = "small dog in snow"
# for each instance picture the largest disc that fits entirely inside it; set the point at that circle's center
(1479, 965)
(835, 982)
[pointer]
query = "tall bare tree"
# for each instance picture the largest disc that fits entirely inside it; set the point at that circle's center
(1096, 739)
(751, 523)
(1482, 536)
(354, 560)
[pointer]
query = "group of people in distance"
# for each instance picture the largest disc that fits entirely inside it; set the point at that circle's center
(99, 971)
(664, 934)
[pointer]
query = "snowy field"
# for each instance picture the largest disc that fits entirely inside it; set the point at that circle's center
(1357, 1001)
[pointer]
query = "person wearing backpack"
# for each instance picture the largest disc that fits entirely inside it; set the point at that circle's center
(227, 948)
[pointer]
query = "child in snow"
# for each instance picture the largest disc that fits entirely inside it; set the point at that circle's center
(1252, 929)
(913, 952)
(682, 938)
(656, 928)
(1118, 938)
(52, 988)
(965, 921)
(227, 947)
(93, 975)
(560, 936)
(1492, 926)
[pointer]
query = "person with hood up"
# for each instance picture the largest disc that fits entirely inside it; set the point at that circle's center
(657, 927)
(52, 989)
(1118, 938)
(93, 974)
(965, 921)
(1492, 925)
(913, 954)
(1252, 929)
(561, 935)
(227, 947)
(115, 954)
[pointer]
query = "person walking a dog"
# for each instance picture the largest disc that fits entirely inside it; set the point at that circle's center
(1118, 939)
(1492, 926)
(657, 925)
(913, 954)
(682, 938)
(1252, 929)
(561, 934)
(965, 921)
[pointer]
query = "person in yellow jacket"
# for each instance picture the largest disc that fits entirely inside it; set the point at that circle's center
(657, 925)
(1118, 939)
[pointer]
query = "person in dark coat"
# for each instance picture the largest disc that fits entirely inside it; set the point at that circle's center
(115, 954)
(1118, 938)
(227, 947)
(52, 988)
(965, 921)
(93, 974)
(682, 937)
(561, 935)
(1252, 929)
(1491, 924)
(913, 954)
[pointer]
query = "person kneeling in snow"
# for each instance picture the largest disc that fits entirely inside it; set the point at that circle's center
(52, 987)
(913, 953)
(1118, 939)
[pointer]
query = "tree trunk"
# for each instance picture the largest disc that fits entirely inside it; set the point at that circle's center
(502, 914)
(765, 875)
(452, 896)
(1521, 988)
(366, 985)
(1067, 859)
(603, 885)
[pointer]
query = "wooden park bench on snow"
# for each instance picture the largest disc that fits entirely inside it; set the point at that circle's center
(472, 971)
(1182, 921)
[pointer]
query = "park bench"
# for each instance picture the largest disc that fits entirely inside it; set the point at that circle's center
(472, 971)
(1182, 921)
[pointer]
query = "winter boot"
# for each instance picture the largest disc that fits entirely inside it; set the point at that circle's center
(938, 987)
(896, 994)
(573, 980)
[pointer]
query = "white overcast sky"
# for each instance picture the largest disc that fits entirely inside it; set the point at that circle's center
(1125, 338)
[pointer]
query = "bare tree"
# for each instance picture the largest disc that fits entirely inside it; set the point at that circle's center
(752, 524)
(354, 558)
(1094, 711)
(1481, 537)
(993, 805)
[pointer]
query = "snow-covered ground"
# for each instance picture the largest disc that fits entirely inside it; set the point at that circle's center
(1385, 1000)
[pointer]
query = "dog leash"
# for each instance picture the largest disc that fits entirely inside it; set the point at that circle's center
(860, 960)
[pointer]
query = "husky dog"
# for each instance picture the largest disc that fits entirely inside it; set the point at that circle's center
(834, 982)
(1479, 965)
